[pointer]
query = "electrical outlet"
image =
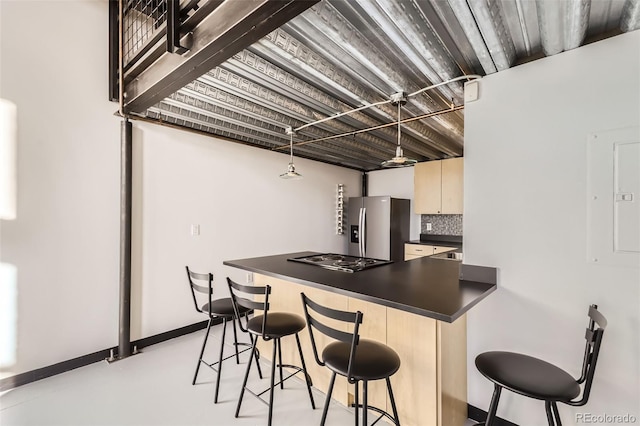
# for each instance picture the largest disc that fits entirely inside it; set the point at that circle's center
(249, 277)
(195, 230)
(428, 226)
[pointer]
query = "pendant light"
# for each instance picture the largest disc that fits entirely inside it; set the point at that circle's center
(399, 160)
(291, 169)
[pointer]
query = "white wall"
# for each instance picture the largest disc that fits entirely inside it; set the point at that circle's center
(526, 213)
(397, 183)
(65, 241)
(243, 208)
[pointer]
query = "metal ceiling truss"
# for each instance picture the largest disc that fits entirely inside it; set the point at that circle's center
(247, 70)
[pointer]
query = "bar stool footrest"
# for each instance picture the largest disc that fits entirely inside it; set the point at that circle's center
(379, 411)
(233, 355)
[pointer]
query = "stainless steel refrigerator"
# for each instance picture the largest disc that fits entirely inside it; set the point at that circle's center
(378, 227)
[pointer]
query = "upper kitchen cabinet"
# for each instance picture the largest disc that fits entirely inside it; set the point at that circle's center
(438, 186)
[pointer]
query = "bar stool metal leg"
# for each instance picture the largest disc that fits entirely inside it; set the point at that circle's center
(547, 408)
(393, 403)
(279, 344)
(556, 413)
(273, 373)
(235, 339)
(246, 376)
(204, 343)
(493, 407)
(255, 355)
(364, 401)
(224, 332)
(326, 402)
(307, 378)
(356, 406)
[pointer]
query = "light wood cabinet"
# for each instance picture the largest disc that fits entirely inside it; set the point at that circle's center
(438, 186)
(414, 251)
(430, 388)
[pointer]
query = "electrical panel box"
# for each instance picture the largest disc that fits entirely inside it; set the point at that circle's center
(614, 197)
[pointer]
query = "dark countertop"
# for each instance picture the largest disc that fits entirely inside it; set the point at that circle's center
(439, 240)
(436, 243)
(435, 288)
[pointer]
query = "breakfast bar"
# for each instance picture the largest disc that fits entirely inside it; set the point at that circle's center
(416, 307)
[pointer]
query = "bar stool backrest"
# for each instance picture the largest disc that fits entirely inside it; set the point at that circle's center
(200, 288)
(350, 317)
(240, 297)
(593, 336)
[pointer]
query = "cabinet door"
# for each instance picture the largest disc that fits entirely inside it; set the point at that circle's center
(427, 182)
(373, 327)
(415, 388)
(413, 251)
(452, 185)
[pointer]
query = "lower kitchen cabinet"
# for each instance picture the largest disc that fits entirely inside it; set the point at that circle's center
(431, 386)
(413, 251)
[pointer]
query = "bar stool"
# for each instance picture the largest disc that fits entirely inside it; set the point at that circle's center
(535, 378)
(352, 357)
(214, 309)
(268, 326)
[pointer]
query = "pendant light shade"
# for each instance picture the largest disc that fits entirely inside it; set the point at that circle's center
(399, 160)
(291, 169)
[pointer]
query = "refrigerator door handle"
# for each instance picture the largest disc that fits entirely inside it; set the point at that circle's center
(360, 232)
(363, 233)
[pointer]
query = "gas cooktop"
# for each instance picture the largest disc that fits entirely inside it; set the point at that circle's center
(340, 262)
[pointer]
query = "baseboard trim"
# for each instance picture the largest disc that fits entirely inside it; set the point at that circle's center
(474, 413)
(71, 364)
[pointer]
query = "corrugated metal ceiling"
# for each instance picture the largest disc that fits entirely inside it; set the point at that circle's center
(339, 55)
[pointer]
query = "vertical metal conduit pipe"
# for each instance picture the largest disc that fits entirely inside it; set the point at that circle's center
(365, 184)
(124, 335)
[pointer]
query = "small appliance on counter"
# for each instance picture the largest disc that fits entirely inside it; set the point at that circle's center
(340, 262)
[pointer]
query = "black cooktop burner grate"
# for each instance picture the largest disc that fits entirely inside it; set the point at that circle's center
(340, 262)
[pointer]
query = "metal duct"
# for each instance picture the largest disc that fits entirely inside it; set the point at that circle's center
(630, 19)
(577, 19)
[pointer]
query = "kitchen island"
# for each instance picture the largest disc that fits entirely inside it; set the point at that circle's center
(416, 307)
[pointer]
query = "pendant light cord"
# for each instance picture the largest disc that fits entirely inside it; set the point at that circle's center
(291, 145)
(398, 123)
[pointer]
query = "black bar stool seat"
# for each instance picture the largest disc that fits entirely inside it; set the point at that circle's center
(528, 376)
(223, 308)
(538, 379)
(359, 360)
(373, 360)
(280, 324)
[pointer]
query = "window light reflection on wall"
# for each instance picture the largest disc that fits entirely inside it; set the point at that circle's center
(8, 142)
(8, 273)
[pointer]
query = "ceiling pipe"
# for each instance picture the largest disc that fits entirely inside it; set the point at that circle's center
(496, 36)
(577, 20)
(550, 16)
(369, 129)
(390, 100)
(563, 24)
(464, 15)
(630, 19)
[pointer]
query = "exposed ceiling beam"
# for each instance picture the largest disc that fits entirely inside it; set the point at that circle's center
(231, 27)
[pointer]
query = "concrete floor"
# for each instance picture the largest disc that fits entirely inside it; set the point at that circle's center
(154, 388)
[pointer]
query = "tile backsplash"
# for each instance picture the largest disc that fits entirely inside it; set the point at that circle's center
(442, 224)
